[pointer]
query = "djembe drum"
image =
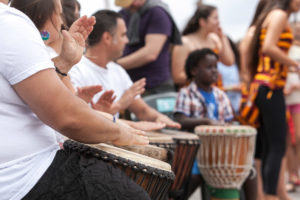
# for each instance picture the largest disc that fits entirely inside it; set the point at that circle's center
(153, 175)
(225, 156)
(152, 151)
(187, 145)
(160, 140)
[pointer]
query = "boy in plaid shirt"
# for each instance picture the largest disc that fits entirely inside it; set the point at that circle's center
(201, 103)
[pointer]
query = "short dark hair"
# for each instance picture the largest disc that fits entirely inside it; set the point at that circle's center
(39, 11)
(106, 21)
(194, 58)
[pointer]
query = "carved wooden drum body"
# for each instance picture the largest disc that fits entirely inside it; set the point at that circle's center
(226, 154)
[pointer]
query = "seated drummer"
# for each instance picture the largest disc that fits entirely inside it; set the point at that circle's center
(201, 103)
(34, 102)
(105, 44)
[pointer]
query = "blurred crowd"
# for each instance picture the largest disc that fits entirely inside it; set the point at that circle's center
(88, 79)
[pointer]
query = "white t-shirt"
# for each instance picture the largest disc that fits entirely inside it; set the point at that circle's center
(113, 77)
(52, 53)
(27, 145)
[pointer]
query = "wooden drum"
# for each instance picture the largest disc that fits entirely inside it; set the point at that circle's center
(226, 153)
(185, 151)
(153, 175)
(151, 151)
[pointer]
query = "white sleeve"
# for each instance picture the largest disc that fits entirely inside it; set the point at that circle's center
(22, 52)
(76, 76)
(125, 79)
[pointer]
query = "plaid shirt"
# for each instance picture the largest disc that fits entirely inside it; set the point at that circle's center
(191, 103)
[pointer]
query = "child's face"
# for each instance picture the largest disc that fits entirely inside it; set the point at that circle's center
(206, 72)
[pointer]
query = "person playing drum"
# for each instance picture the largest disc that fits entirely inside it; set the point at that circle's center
(105, 44)
(34, 102)
(201, 103)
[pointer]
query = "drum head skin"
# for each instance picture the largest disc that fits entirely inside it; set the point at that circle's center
(148, 161)
(150, 151)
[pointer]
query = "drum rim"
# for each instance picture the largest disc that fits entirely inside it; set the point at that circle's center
(235, 130)
(105, 156)
(178, 137)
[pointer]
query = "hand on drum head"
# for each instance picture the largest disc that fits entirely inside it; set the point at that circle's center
(166, 120)
(148, 126)
(131, 136)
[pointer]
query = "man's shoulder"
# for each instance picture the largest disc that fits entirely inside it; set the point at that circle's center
(112, 66)
(157, 11)
(81, 68)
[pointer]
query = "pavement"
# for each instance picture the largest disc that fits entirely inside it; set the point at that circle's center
(294, 195)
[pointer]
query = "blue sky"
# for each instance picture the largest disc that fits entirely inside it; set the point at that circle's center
(235, 15)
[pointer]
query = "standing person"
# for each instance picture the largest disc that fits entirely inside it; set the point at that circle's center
(202, 31)
(34, 101)
(201, 103)
(292, 90)
(246, 41)
(244, 48)
(268, 65)
(151, 30)
(105, 44)
(231, 78)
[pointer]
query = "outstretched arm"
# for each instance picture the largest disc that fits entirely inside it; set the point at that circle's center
(57, 107)
(189, 123)
(146, 54)
(146, 113)
(179, 56)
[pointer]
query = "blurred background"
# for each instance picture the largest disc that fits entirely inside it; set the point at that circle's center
(234, 15)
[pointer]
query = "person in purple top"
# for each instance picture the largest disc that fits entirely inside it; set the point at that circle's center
(151, 29)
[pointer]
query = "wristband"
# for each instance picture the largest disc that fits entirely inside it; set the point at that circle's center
(59, 72)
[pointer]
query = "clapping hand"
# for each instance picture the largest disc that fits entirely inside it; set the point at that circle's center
(88, 92)
(74, 41)
(105, 102)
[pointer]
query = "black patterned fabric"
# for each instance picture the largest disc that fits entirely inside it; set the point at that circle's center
(72, 176)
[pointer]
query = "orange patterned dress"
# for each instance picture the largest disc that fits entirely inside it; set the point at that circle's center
(269, 73)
